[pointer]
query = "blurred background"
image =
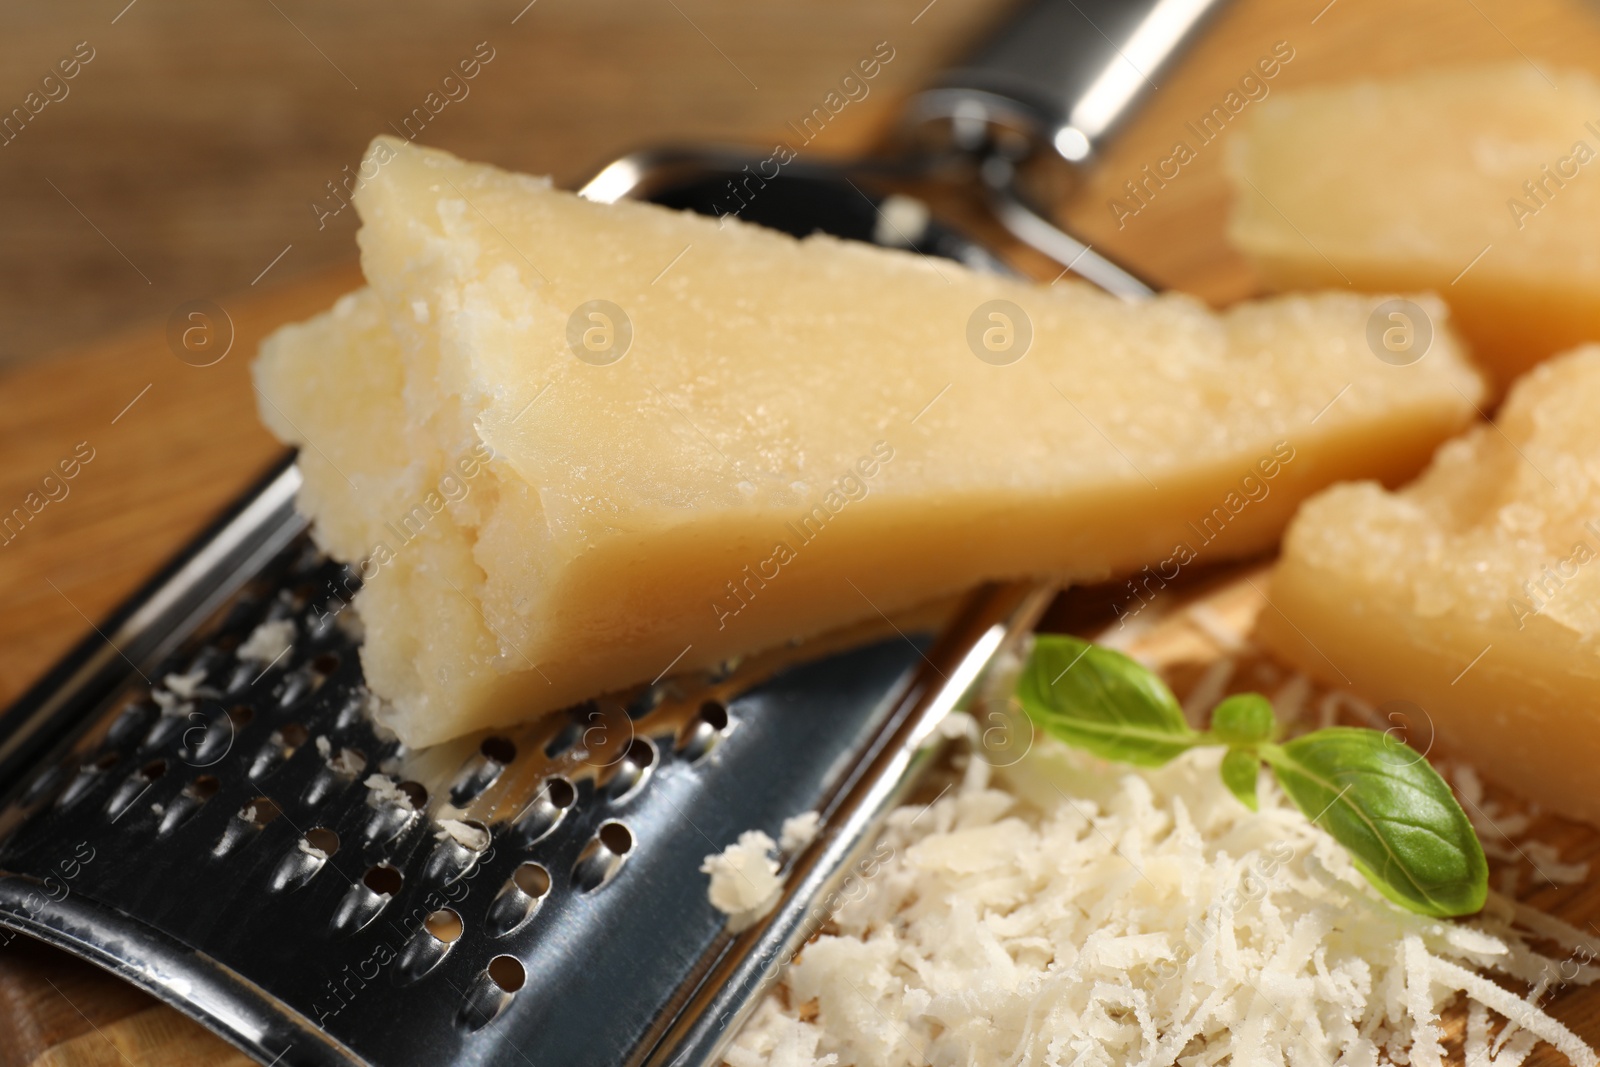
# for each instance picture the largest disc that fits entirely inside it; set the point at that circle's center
(187, 154)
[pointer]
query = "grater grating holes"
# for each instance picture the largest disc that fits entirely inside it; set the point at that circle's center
(518, 899)
(283, 743)
(602, 856)
(632, 771)
(438, 934)
(134, 786)
(366, 899)
(494, 754)
(544, 813)
(89, 775)
(491, 992)
(134, 720)
(189, 800)
(453, 858)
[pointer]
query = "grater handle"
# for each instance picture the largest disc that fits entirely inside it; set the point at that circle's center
(1067, 72)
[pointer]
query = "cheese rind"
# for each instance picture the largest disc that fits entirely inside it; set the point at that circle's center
(1473, 593)
(1479, 183)
(800, 435)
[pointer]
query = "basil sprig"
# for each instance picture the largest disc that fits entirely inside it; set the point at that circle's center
(1378, 797)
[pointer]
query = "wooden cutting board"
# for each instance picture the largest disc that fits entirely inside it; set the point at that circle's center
(173, 443)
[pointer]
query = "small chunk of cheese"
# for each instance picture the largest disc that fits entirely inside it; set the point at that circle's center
(382, 790)
(799, 831)
(744, 882)
(268, 642)
(468, 836)
(1473, 593)
(797, 435)
(1481, 183)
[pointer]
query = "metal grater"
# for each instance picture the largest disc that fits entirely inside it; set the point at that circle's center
(183, 848)
(236, 837)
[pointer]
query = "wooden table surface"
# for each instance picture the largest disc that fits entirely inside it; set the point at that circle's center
(173, 443)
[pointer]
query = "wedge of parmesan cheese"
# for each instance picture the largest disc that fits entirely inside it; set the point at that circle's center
(571, 446)
(1474, 593)
(1480, 183)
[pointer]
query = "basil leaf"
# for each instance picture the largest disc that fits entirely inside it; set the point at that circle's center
(1240, 769)
(1243, 719)
(1102, 701)
(1382, 801)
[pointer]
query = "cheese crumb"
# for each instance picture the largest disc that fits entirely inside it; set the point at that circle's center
(185, 686)
(774, 1039)
(744, 879)
(798, 831)
(382, 790)
(1504, 837)
(1070, 910)
(268, 642)
(465, 834)
(1545, 858)
(312, 850)
(348, 762)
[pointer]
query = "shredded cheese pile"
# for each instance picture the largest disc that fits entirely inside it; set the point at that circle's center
(1092, 914)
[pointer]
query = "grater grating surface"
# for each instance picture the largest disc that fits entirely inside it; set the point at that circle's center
(215, 840)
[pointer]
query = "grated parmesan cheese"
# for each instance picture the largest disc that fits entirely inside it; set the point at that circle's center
(744, 879)
(1212, 687)
(1078, 912)
(1546, 859)
(1289, 702)
(268, 642)
(470, 837)
(383, 790)
(1502, 834)
(185, 686)
(347, 762)
(798, 831)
